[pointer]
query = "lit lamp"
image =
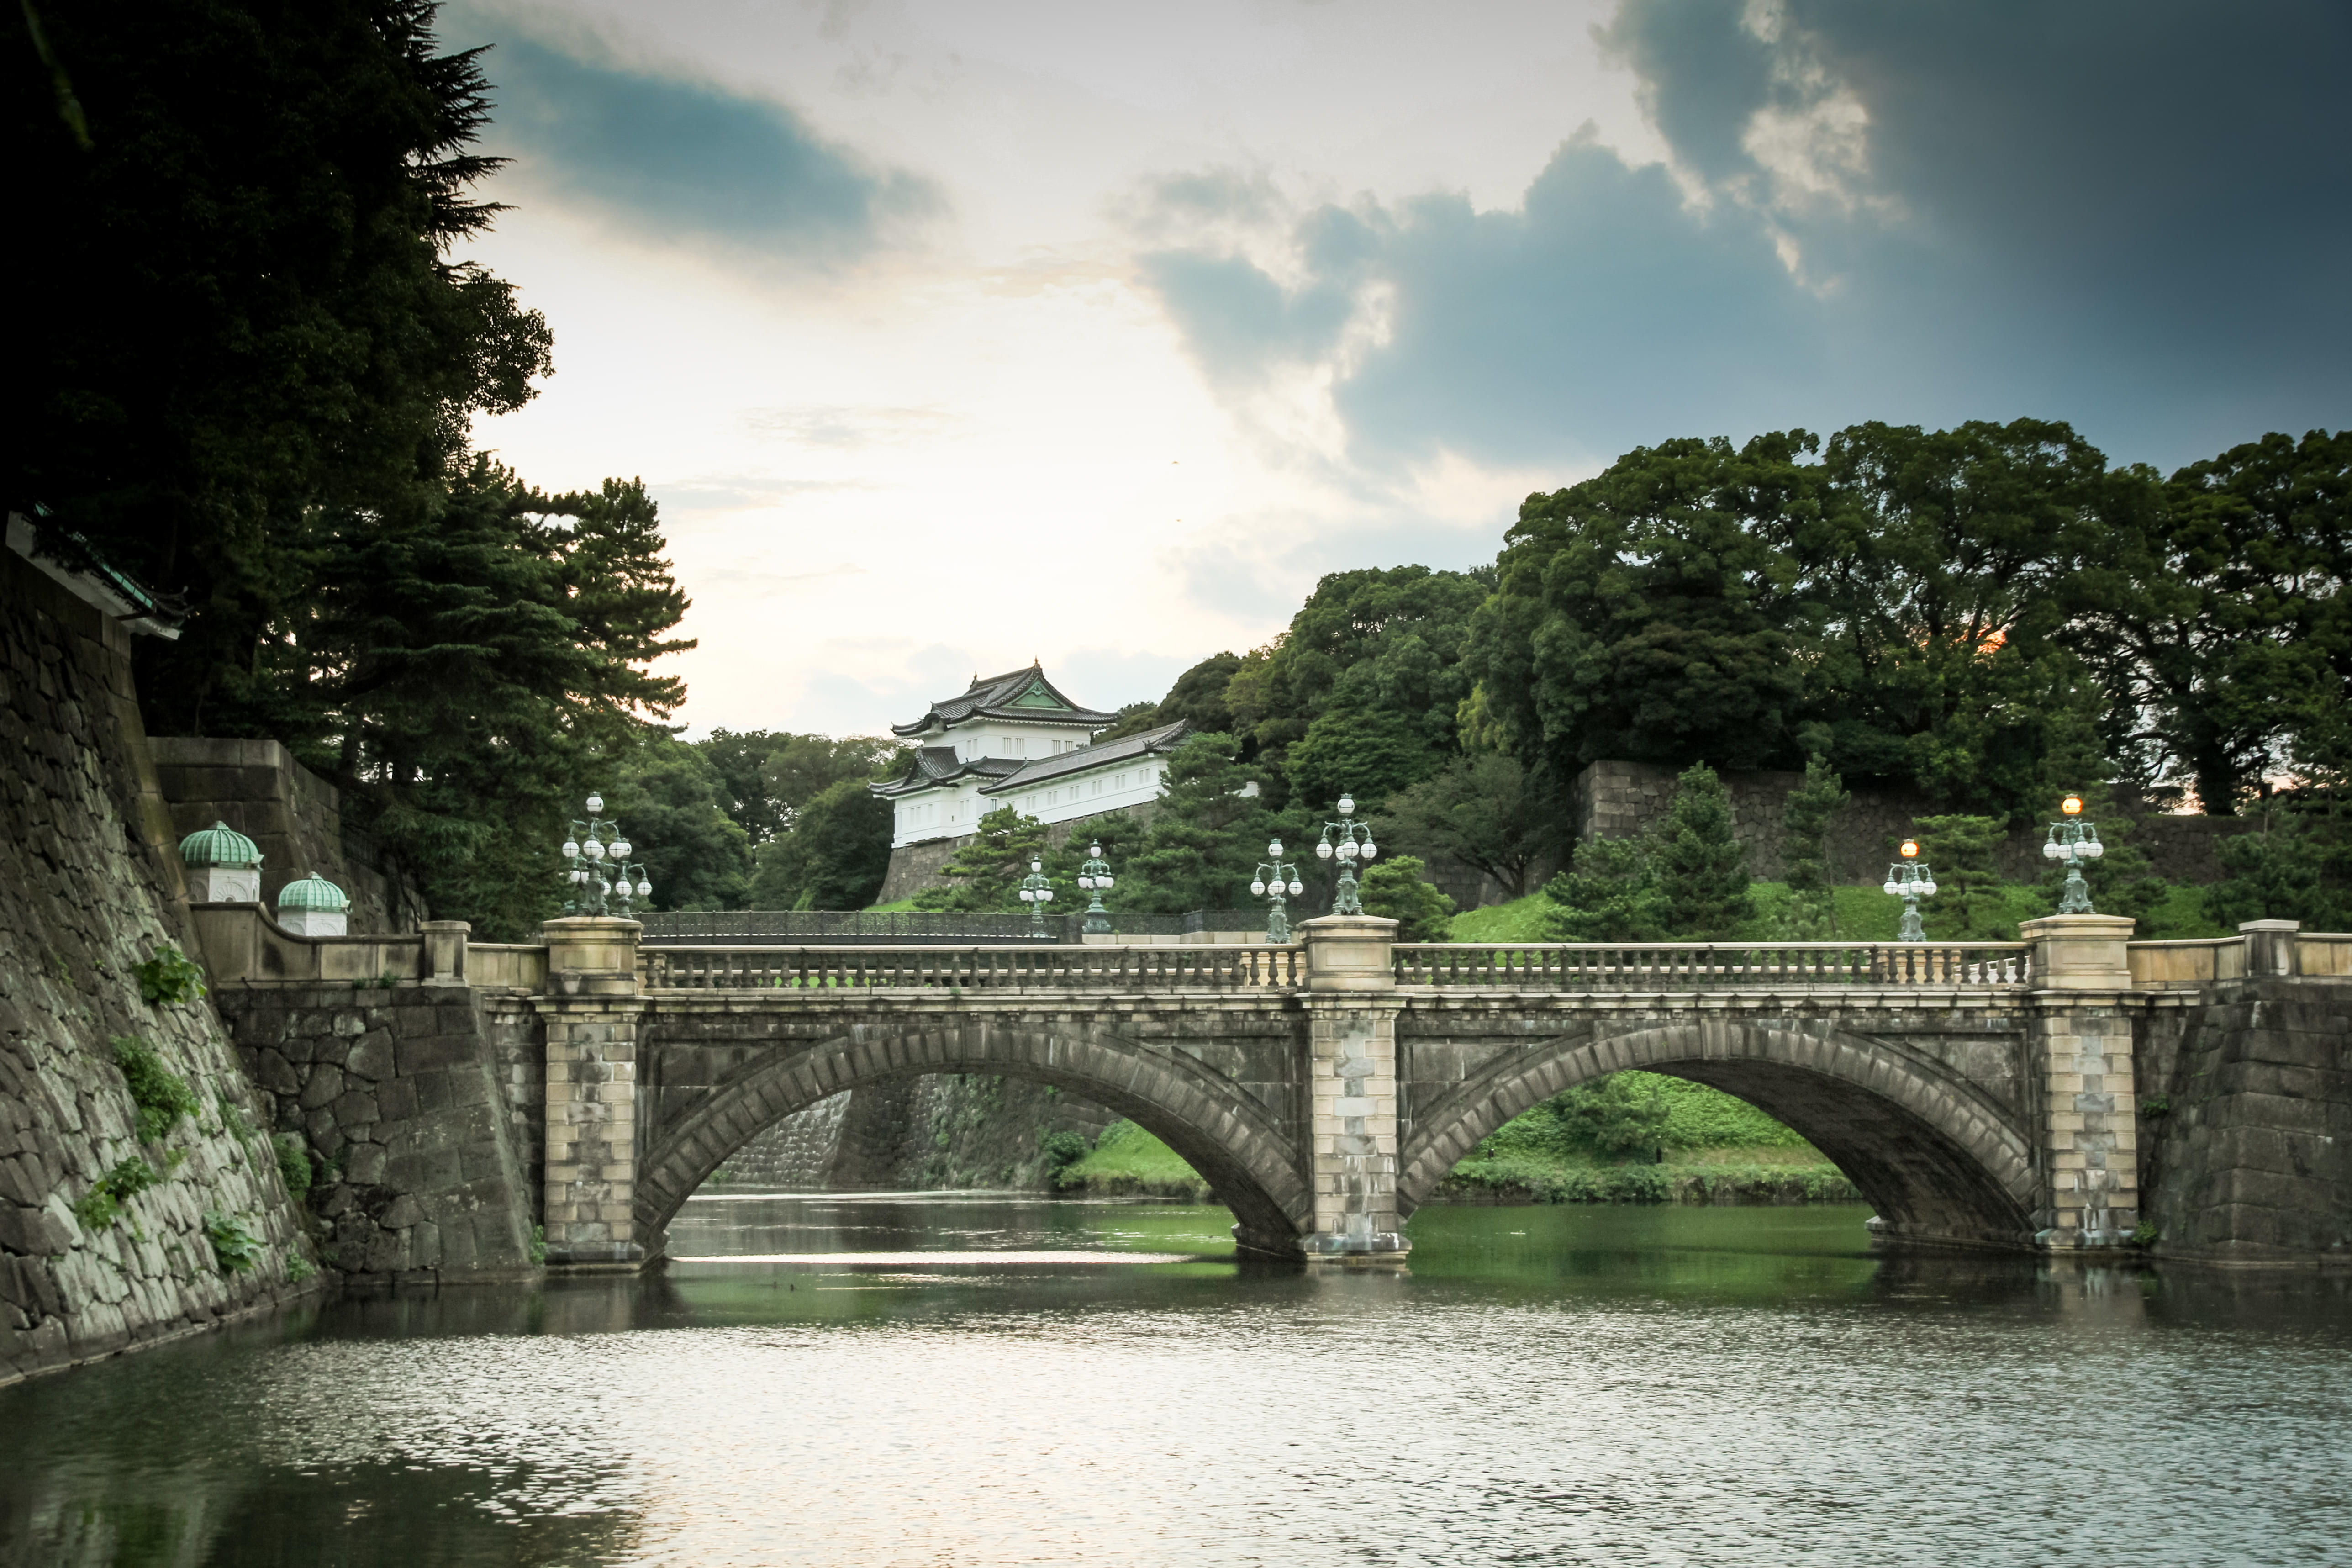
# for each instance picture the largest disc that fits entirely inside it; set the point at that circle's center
(1272, 879)
(2072, 842)
(1910, 879)
(1347, 841)
(1095, 879)
(1036, 891)
(597, 867)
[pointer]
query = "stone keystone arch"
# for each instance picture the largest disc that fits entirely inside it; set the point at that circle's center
(1235, 1145)
(1942, 1160)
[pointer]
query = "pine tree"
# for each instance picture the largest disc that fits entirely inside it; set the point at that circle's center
(986, 873)
(1970, 904)
(1701, 866)
(1206, 835)
(1608, 893)
(1810, 913)
(1396, 889)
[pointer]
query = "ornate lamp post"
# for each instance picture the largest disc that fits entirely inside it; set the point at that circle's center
(592, 848)
(1272, 879)
(1910, 879)
(2072, 842)
(1340, 840)
(1036, 891)
(1095, 879)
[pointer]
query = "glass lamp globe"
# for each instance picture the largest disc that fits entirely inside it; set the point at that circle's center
(570, 850)
(1891, 889)
(620, 848)
(1086, 884)
(1035, 867)
(2049, 850)
(1929, 887)
(1257, 890)
(1323, 850)
(2071, 806)
(595, 804)
(1044, 895)
(1346, 850)
(1273, 849)
(1095, 850)
(1347, 805)
(1296, 889)
(2094, 848)
(1369, 849)
(1105, 881)
(1028, 895)
(593, 851)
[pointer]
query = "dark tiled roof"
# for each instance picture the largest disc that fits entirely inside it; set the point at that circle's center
(939, 765)
(1086, 759)
(994, 696)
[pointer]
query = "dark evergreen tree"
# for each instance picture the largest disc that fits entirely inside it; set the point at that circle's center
(667, 796)
(1971, 903)
(1700, 864)
(835, 856)
(1607, 893)
(1482, 810)
(1206, 835)
(1397, 887)
(1811, 912)
(985, 874)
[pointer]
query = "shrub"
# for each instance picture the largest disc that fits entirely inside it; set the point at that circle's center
(235, 1248)
(161, 1097)
(1396, 889)
(169, 977)
(103, 1204)
(1062, 1149)
(293, 1165)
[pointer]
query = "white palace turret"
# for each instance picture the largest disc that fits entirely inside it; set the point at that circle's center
(1015, 739)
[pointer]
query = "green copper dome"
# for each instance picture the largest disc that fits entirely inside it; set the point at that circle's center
(219, 845)
(313, 892)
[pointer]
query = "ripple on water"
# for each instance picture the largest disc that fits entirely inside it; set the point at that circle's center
(1671, 1409)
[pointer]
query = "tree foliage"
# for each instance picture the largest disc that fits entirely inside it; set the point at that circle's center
(1963, 852)
(1206, 835)
(1811, 912)
(668, 797)
(1397, 887)
(836, 855)
(985, 874)
(1482, 810)
(1366, 642)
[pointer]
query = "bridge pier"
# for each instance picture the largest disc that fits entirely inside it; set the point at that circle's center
(2088, 1100)
(1352, 1093)
(590, 1012)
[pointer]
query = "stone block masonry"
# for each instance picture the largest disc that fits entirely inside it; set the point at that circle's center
(397, 1094)
(89, 890)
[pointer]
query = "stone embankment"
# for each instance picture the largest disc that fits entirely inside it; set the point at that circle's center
(395, 1092)
(109, 1239)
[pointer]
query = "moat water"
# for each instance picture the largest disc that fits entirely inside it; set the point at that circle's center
(979, 1380)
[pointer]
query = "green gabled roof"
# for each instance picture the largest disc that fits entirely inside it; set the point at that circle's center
(1015, 694)
(219, 845)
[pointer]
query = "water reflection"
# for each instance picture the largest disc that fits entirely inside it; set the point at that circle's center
(1572, 1384)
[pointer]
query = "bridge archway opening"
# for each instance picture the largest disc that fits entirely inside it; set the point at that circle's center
(1939, 1163)
(1234, 1146)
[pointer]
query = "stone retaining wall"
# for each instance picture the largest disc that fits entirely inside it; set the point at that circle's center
(1621, 800)
(90, 888)
(2246, 1124)
(399, 1095)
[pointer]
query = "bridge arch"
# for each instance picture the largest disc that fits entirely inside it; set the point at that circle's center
(1941, 1160)
(1236, 1146)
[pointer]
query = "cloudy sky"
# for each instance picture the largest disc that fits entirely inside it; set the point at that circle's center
(950, 333)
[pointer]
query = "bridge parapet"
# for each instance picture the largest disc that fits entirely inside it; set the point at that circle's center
(787, 970)
(1700, 965)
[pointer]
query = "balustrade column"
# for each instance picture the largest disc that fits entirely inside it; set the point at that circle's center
(1351, 1079)
(590, 1012)
(2089, 1101)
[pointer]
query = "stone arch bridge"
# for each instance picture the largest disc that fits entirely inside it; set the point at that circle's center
(1978, 1094)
